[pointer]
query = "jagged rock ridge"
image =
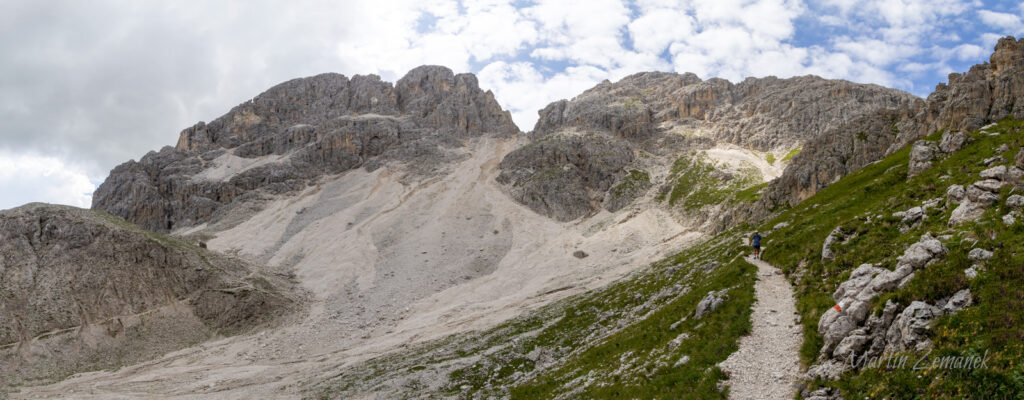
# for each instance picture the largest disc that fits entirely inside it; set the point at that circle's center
(589, 144)
(83, 290)
(986, 93)
(297, 131)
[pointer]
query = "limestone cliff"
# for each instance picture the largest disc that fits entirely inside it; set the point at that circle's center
(285, 138)
(986, 93)
(590, 144)
(82, 290)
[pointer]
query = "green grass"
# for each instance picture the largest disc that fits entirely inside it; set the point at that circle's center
(695, 183)
(770, 158)
(861, 204)
(791, 154)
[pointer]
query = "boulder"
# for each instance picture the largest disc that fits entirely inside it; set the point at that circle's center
(1010, 218)
(826, 248)
(836, 332)
(827, 370)
(913, 215)
(979, 255)
(709, 303)
(953, 141)
(955, 194)
(966, 211)
(909, 330)
(959, 301)
(851, 346)
(988, 185)
(1015, 201)
(998, 173)
(921, 157)
(1014, 175)
(920, 253)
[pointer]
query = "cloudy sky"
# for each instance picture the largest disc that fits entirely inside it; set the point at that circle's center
(86, 85)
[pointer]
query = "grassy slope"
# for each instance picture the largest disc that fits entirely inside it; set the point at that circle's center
(617, 336)
(994, 323)
(694, 184)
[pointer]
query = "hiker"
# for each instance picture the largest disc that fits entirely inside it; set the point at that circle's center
(755, 242)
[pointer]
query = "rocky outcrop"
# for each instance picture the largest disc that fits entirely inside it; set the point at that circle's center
(564, 176)
(759, 113)
(297, 131)
(710, 303)
(986, 93)
(669, 114)
(978, 197)
(833, 154)
(83, 290)
(854, 337)
(853, 297)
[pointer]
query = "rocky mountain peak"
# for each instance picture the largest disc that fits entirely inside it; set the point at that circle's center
(589, 145)
(300, 130)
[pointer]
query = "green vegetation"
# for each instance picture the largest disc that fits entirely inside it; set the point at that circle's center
(697, 182)
(618, 337)
(750, 194)
(862, 204)
(770, 158)
(792, 153)
(635, 180)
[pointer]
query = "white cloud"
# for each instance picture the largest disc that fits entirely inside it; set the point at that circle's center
(29, 178)
(656, 29)
(94, 84)
(1009, 22)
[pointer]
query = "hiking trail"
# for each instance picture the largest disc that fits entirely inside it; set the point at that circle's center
(767, 364)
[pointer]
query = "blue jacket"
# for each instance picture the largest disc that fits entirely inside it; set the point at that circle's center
(755, 240)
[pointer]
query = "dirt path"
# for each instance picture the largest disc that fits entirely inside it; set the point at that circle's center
(767, 364)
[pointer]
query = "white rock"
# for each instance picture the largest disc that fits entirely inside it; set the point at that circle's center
(971, 273)
(966, 211)
(958, 302)
(1010, 219)
(1014, 174)
(979, 255)
(994, 173)
(1016, 201)
(988, 185)
(955, 194)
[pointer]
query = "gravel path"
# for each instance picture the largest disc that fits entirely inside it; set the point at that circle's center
(767, 364)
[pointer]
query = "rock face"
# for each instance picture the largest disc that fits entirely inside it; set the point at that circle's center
(836, 153)
(865, 283)
(83, 290)
(986, 93)
(296, 132)
(589, 143)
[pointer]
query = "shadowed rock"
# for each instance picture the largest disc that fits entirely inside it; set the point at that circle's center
(84, 290)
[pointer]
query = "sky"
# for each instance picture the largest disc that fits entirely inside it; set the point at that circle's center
(87, 85)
